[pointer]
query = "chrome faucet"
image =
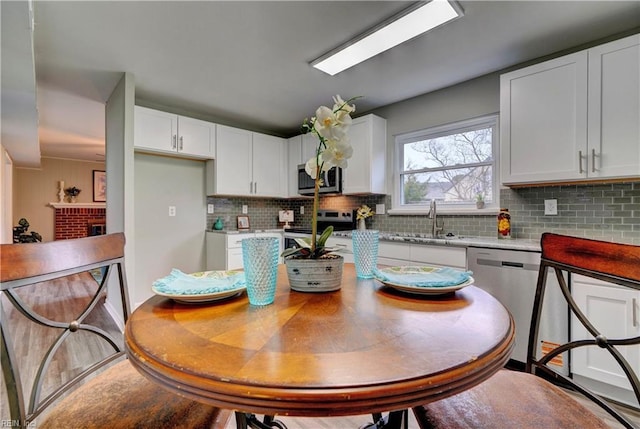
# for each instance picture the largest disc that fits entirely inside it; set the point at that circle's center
(435, 229)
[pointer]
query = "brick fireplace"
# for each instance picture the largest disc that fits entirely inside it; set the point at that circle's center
(77, 222)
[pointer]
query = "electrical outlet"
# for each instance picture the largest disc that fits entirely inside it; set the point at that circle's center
(245, 209)
(301, 209)
(550, 207)
(172, 211)
(210, 208)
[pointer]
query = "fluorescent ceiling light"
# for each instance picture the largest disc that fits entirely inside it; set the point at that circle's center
(410, 23)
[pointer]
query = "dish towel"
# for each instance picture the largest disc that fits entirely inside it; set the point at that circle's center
(179, 283)
(414, 276)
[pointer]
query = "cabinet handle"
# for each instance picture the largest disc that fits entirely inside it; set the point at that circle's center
(255, 187)
(634, 304)
(173, 142)
(593, 160)
(580, 161)
(181, 143)
(251, 187)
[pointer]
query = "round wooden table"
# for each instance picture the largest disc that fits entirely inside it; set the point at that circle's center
(361, 350)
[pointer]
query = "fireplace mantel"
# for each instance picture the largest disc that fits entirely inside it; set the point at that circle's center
(78, 205)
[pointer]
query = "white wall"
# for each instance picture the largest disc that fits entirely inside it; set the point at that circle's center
(6, 197)
(119, 165)
(471, 99)
(164, 242)
(35, 188)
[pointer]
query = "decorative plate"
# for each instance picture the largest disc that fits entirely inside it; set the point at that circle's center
(200, 287)
(405, 278)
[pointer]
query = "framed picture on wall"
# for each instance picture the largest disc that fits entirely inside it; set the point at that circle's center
(99, 186)
(243, 222)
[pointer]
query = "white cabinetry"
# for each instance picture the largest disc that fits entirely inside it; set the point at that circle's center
(573, 118)
(395, 254)
(614, 312)
(247, 164)
(166, 133)
(224, 251)
(344, 244)
(294, 157)
(366, 171)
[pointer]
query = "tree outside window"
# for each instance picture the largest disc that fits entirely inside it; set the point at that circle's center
(453, 164)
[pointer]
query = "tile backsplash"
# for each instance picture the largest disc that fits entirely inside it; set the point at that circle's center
(609, 212)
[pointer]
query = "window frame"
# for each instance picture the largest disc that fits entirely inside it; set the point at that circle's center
(486, 121)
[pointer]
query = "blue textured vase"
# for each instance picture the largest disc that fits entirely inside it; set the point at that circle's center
(365, 251)
(260, 260)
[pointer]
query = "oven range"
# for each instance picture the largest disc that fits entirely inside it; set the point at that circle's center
(341, 220)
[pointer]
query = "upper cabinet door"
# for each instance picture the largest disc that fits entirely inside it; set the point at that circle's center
(294, 158)
(543, 115)
(196, 137)
(309, 146)
(167, 133)
(269, 166)
(155, 130)
(233, 161)
(614, 108)
(365, 173)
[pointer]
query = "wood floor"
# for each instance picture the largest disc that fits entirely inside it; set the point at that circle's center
(69, 296)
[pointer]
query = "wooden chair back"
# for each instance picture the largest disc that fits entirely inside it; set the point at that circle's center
(614, 263)
(36, 265)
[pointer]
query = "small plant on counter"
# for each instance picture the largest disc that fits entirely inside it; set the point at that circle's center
(331, 126)
(363, 212)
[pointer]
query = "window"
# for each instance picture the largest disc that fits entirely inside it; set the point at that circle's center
(453, 164)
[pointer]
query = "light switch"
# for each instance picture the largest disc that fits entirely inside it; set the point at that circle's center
(550, 207)
(380, 209)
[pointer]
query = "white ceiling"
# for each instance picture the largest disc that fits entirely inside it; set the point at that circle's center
(246, 63)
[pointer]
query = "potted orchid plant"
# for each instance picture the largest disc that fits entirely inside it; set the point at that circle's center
(331, 126)
(312, 267)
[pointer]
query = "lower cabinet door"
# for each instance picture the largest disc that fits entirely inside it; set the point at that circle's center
(234, 259)
(614, 313)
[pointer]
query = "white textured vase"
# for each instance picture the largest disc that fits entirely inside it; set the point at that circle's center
(362, 225)
(315, 275)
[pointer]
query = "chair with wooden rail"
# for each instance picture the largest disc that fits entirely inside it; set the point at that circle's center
(106, 393)
(527, 399)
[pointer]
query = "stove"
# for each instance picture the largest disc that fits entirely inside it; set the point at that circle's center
(341, 220)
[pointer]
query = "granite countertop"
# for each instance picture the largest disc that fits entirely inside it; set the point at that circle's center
(244, 231)
(402, 237)
(457, 241)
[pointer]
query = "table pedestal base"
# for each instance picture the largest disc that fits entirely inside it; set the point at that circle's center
(394, 420)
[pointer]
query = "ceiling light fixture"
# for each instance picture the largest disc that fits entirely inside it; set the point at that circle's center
(411, 22)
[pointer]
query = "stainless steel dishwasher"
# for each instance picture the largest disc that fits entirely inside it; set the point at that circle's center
(511, 276)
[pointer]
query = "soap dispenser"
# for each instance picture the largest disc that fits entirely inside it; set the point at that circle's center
(218, 225)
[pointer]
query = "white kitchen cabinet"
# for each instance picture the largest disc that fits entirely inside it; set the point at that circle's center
(344, 244)
(445, 256)
(613, 311)
(309, 147)
(166, 133)
(365, 173)
(247, 164)
(613, 134)
(294, 158)
(224, 251)
(573, 118)
(394, 254)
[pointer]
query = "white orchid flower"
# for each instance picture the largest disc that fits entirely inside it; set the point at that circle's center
(339, 105)
(311, 167)
(337, 152)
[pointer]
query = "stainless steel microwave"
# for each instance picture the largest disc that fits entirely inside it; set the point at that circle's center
(331, 183)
